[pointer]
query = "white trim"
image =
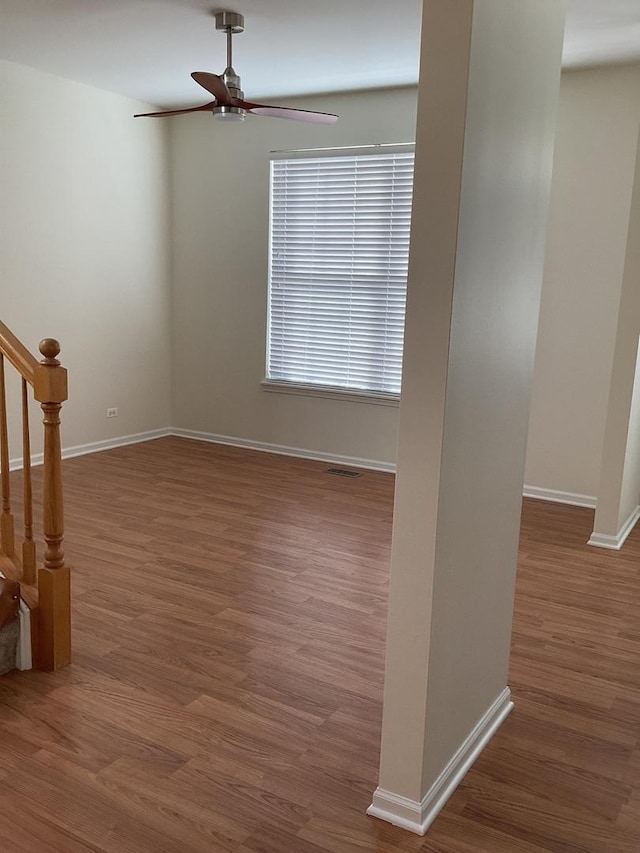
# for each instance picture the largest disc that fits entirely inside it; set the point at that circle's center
(96, 446)
(23, 657)
(110, 443)
(282, 450)
(418, 816)
(328, 393)
(615, 543)
(299, 452)
(376, 147)
(558, 497)
(23, 652)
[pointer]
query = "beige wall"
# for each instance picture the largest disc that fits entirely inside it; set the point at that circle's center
(220, 297)
(484, 154)
(220, 177)
(84, 223)
(588, 225)
(84, 245)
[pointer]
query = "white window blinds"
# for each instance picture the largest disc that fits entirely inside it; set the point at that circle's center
(339, 246)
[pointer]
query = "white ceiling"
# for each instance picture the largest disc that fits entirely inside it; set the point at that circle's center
(146, 49)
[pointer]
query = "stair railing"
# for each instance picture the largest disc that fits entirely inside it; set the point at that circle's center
(47, 589)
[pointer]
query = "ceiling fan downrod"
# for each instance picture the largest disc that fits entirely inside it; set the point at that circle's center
(231, 23)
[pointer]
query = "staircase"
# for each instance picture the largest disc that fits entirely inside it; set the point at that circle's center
(45, 590)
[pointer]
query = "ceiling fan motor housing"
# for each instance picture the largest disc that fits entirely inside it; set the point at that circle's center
(233, 83)
(229, 112)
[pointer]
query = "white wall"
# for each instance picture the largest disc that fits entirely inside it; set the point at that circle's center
(84, 248)
(220, 179)
(587, 234)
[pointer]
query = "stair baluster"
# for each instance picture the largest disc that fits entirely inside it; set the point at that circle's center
(6, 519)
(29, 574)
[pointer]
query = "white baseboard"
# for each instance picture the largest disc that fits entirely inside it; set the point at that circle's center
(96, 446)
(110, 443)
(558, 497)
(283, 450)
(615, 543)
(418, 816)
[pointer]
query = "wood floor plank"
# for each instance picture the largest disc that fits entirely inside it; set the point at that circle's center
(225, 694)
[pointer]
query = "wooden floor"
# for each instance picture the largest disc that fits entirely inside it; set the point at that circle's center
(225, 695)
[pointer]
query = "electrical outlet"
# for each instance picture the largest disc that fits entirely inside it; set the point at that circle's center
(112, 413)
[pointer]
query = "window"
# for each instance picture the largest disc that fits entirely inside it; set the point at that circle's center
(339, 246)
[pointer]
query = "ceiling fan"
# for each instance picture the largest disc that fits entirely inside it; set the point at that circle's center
(229, 103)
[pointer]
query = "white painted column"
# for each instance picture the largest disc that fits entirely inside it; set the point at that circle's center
(486, 119)
(618, 507)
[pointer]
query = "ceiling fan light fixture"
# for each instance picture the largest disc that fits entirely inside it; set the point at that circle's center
(228, 113)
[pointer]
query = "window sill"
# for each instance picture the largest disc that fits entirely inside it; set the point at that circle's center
(328, 393)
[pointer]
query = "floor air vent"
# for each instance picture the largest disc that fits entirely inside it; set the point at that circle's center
(343, 472)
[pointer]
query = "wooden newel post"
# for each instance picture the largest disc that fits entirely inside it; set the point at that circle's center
(54, 593)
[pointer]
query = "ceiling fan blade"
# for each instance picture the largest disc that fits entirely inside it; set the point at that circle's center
(287, 112)
(209, 106)
(214, 84)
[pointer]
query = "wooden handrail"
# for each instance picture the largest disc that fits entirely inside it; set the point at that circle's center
(51, 602)
(16, 353)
